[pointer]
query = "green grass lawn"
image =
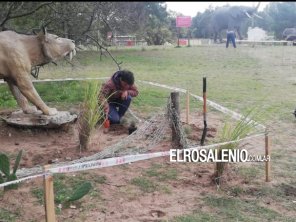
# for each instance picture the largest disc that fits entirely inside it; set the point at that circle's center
(237, 78)
(242, 78)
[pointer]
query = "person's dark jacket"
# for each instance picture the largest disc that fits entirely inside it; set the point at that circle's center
(111, 90)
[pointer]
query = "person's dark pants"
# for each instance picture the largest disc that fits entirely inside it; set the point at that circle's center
(230, 37)
(117, 109)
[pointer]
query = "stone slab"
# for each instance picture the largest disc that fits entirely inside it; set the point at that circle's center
(18, 118)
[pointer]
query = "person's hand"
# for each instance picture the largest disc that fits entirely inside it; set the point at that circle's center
(106, 108)
(124, 95)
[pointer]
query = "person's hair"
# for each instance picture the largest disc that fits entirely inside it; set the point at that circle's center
(127, 76)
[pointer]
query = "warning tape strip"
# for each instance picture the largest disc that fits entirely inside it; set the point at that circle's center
(106, 162)
(22, 179)
(133, 158)
(130, 158)
(223, 109)
(116, 161)
(62, 80)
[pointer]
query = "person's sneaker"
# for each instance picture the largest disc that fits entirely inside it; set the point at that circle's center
(132, 127)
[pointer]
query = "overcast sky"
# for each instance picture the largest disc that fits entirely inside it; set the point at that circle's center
(191, 8)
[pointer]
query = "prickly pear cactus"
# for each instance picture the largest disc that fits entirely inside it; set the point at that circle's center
(81, 191)
(5, 175)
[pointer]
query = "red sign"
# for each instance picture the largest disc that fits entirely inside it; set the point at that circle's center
(130, 43)
(109, 35)
(183, 42)
(183, 21)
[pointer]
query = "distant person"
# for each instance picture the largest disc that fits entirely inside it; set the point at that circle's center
(117, 95)
(230, 37)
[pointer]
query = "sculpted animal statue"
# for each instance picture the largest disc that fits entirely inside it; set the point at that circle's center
(289, 34)
(231, 17)
(19, 53)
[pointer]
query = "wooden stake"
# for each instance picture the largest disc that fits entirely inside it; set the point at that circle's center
(204, 132)
(187, 106)
(49, 196)
(175, 98)
(267, 153)
(176, 133)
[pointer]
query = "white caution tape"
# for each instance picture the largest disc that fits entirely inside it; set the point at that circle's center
(133, 114)
(68, 79)
(222, 109)
(233, 114)
(22, 179)
(226, 143)
(115, 161)
(129, 158)
(62, 80)
(107, 162)
(133, 158)
(163, 86)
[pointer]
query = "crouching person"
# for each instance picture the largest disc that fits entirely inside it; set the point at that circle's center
(117, 93)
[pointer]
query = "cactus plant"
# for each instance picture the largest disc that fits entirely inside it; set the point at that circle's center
(81, 191)
(6, 176)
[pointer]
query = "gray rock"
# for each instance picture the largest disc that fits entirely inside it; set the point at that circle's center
(18, 118)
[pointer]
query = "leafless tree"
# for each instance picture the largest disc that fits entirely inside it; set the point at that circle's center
(13, 10)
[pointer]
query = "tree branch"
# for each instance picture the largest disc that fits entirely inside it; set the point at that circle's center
(90, 23)
(31, 12)
(7, 15)
(101, 47)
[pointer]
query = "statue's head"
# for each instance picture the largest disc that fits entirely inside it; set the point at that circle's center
(55, 47)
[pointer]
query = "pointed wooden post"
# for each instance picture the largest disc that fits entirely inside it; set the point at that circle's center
(175, 115)
(204, 132)
(267, 154)
(187, 106)
(49, 196)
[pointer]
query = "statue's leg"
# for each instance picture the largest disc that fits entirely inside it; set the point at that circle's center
(233, 41)
(239, 35)
(227, 41)
(21, 100)
(27, 88)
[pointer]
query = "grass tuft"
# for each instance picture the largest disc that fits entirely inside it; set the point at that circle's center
(144, 184)
(92, 112)
(244, 127)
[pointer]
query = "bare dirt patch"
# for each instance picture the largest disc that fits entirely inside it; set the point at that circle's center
(119, 198)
